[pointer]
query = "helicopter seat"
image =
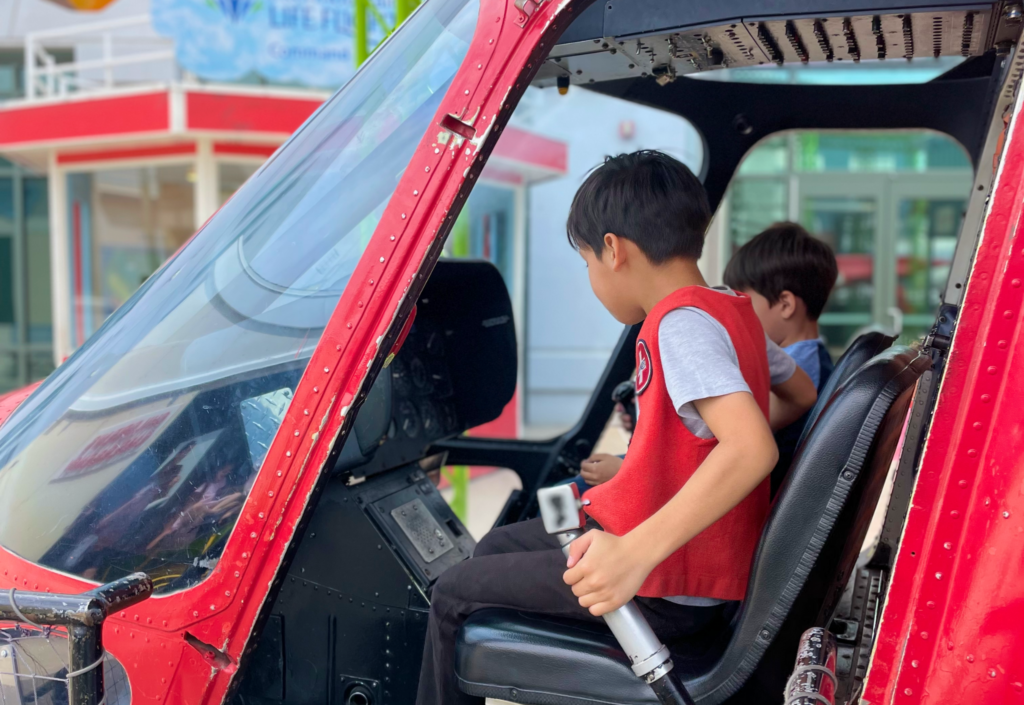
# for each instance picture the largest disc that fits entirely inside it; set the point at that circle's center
(807, 552)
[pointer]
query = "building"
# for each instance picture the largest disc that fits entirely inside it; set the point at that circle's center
(114, 154)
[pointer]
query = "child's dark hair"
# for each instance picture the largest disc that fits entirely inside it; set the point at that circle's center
(785, 257)
(646, 197)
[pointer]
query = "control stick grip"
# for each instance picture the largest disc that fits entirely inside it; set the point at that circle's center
(562, 513)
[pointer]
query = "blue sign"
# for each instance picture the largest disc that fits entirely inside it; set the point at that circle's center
(306, 42)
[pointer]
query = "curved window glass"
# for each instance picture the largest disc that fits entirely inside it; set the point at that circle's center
(139, 451)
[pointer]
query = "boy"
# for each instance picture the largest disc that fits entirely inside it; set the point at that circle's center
(683, 517)
(788, 275)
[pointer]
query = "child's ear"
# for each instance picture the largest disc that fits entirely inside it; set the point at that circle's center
(615, 247)
(787, 304)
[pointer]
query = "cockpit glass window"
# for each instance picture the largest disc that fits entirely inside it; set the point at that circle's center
(139, 451)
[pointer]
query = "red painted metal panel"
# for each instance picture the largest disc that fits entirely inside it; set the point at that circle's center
(221, 611)
(146, 112)
(247, 150)
(247, 113)
(951, 626)
(533, 149)
(103, 155)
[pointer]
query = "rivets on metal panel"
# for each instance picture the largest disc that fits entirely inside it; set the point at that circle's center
(279, 473)
(985, 398)
(392, 240)
(930, 604)
(924, 635)
(360, 304)
(908, 691)
(915, 663)
(426, 168)
(1018, 686)
(315, 390)
(1007, 314)
(972, 453)
(371, 282)
(1015, 283)
(245, 555)
(403, 216)
(271, 493)
(963, 484)
(296, 433)
(415, 192)
(976, 425)
(970, 658)
(1001, 345)
(992, 369)
(938, 576)
(382, 260)
(326, 370)
(1006, 515)
(305, 412)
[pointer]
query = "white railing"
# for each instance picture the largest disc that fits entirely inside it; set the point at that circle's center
(45, 77)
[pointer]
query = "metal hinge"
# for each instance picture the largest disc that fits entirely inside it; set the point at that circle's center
(527, 7)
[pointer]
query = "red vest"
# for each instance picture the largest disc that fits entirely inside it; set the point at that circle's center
(663, 454)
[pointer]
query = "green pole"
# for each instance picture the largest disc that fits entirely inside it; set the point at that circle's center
(359, 31)
(360, 28)
(458, 476)
(404, 8)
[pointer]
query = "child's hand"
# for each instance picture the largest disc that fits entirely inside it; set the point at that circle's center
(605, 571)
(599, 468)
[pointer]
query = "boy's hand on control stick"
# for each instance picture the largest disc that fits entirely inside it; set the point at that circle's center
(599, 468)
(605, 571)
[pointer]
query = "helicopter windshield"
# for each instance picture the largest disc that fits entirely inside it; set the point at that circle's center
(139, 451)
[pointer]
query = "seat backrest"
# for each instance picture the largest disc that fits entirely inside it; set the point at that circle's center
(817, 524)
(860, 351)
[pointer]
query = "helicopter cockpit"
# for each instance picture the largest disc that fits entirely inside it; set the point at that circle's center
(256, 427)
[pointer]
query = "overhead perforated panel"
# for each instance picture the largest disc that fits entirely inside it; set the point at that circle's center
(799, 40)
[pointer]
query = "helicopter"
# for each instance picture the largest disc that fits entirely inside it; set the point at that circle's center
(230, 481)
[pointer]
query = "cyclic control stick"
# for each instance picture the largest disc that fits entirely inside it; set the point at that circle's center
(562, 512)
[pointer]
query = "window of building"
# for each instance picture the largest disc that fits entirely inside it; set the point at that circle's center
(889, 204)
(123, 224)
(26, 337)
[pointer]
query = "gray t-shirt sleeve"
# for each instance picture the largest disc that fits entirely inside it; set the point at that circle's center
(699, 361)
(780, 365)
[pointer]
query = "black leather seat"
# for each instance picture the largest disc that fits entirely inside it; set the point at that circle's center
(807, 552)
(860, 351)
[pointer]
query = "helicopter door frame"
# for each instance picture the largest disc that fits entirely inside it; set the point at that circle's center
(952, 608)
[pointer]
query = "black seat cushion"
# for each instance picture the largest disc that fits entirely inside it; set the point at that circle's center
(550, 660)
(803, 560)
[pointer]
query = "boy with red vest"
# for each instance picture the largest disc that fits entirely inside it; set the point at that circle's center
(678, 524)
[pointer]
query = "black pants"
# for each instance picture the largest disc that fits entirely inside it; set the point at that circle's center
(521, 567)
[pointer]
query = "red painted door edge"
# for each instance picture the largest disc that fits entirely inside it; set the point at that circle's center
(950, 624)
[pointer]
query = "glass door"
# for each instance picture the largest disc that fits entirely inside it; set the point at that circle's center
(894, 236)
(926, 221)
(26, 332)
(848, 216)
